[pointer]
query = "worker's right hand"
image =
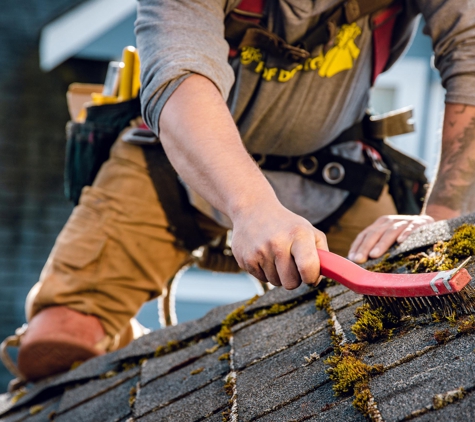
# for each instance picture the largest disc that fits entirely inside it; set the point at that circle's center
(278, 246)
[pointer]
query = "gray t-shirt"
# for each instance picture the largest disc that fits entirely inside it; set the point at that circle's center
(296, 109)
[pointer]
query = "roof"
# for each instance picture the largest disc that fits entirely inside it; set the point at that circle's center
(279, 359)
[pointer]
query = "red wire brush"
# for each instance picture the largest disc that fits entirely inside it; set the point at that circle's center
(443, 292)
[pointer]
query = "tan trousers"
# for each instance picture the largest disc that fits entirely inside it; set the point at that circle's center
(115, 252)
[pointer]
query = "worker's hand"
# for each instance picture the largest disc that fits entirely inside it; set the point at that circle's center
(376, 239)
(278, 246)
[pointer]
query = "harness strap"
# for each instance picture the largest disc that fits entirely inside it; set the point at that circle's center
(243, 28)
(174, 199)
(325, 168)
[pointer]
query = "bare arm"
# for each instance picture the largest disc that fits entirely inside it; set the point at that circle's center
(451, 195)
(203, 144)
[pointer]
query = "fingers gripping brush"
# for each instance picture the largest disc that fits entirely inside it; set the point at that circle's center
(443, 292)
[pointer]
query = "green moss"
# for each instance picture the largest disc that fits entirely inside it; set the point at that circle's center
(444, 255)
(229, 385)
(226, 414)
(441, 400)
(442, 336)
(128, 365)
(36, 409)
(224, 335)
(19, 394)
(213, 349)
(197, 371)
(171, 346)
(275, 309)
(108, 374)
(372, 324)
(224, 356)
(132, 396)
(238, 315)
(467, 325)
(452, 318)
(347, 371)
(322, 301)
(252, 300)
(363, 396)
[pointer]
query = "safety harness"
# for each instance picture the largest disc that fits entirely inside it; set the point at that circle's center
(246, 27)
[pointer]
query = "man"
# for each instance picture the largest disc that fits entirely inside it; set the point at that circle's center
(118, 248)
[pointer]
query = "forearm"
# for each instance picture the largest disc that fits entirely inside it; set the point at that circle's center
(204, 145)
(451, 192)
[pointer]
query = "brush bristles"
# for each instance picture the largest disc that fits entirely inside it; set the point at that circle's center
(461, 303)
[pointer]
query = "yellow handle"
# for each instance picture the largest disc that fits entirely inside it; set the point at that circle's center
(136, 78)
(127, 73)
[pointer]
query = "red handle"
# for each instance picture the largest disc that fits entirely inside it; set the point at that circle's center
(396, 285)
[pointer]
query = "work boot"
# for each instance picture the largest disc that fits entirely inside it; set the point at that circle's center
(56, 338)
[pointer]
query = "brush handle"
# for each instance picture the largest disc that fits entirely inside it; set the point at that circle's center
(395, 285)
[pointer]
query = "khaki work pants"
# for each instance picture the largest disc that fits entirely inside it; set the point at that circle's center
(115, 252)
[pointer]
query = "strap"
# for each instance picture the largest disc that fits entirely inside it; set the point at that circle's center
(325, 168)
(251, 8)
(383, 26)
(240, 31)
(173, 197)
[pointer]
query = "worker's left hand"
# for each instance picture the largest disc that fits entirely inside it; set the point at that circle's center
(376, 239)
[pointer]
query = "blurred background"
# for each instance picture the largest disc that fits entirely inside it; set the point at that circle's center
(49, 44)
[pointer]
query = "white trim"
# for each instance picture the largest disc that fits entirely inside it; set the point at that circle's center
(73, 31)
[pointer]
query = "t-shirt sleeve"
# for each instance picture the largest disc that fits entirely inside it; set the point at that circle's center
(451, 25)
(176, 39)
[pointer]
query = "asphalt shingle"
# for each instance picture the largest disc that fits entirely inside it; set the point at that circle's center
(411, 386)
(281, 378)
(181, 382)
(203, 403)
(258, 340)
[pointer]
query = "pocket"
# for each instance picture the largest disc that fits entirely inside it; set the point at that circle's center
(81, 241)
(87, 148)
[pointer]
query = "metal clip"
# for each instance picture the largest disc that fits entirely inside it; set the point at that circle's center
(139, 136)
(445, 276)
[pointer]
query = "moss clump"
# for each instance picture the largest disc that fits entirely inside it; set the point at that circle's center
(197, 371)
(252, 300)
(275, 309)
(171, 346)
(224, 335)
(444, 255)
(226, 414)
(213, 349)
(108, 374)
(19, 394)
(349, 371)
(362, 398)
(372, 324)
(322, 301)
(132, 396)
(442, 336)
(467, 325)
(441, 400)
(36, 409)
(224, 356)
(229, 385)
